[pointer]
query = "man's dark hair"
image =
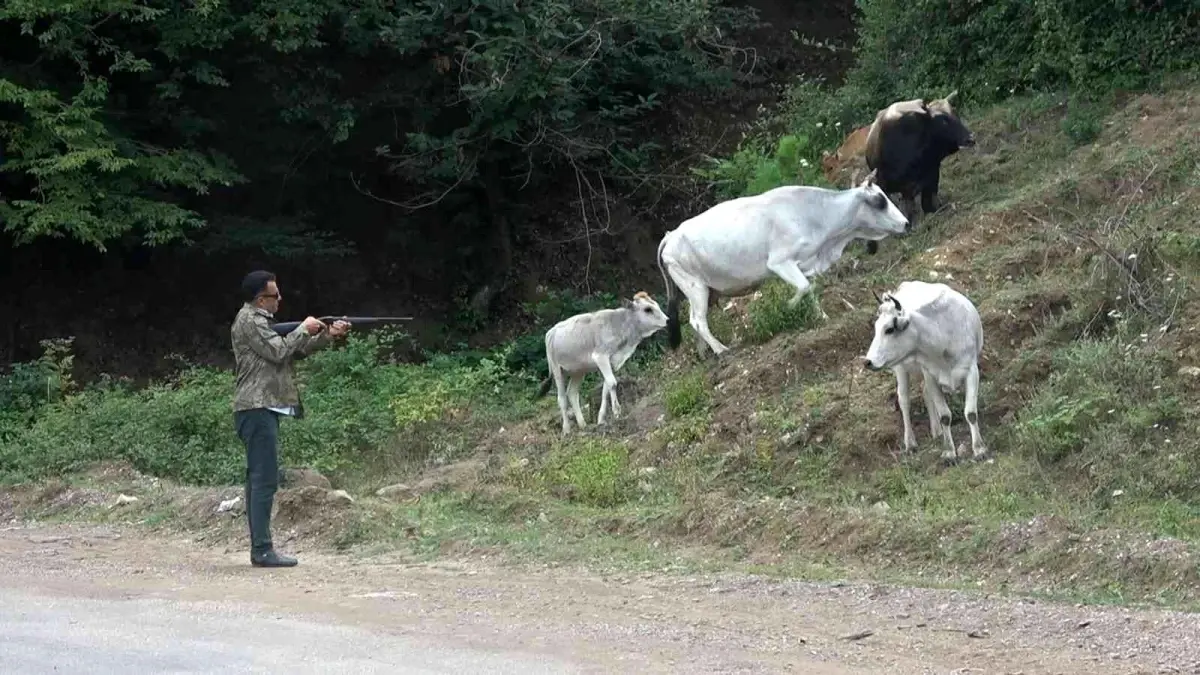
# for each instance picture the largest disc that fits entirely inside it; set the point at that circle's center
(255, 282)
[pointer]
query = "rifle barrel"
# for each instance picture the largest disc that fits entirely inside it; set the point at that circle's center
(285, 327)
(364, 319)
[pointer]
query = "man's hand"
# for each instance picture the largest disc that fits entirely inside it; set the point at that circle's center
(338, 329)
(313, 325)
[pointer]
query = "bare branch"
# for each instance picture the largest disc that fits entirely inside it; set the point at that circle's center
(587, 268)
(413, 205)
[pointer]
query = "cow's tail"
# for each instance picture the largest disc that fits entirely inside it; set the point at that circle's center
(550, 365)
(545, 386)
(674, 331)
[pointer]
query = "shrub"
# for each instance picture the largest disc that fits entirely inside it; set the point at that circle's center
(771, 314)
(357, 405)
(592, 471)
(181, 429)
(29, 386)
(687, 394)
(990, 50)
(754, 169)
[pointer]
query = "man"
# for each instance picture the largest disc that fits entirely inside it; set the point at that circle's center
(265, 390)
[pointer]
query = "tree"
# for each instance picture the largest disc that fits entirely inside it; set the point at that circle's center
(120, 118)
(73, 163)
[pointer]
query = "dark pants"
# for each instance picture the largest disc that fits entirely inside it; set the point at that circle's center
(259, 431)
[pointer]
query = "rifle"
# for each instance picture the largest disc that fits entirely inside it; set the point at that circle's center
(285, 327)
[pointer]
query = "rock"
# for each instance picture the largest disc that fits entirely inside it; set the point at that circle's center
(303, 502)
(125, 499)
(1191, 371)
(300, 477)
(396, 493)
(228, 504)
(434, 483)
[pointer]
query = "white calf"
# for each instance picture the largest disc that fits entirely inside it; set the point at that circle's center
(602, 340)
(793, 232)
(934, 330)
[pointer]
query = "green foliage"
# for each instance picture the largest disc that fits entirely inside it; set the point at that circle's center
(752, 170)
(687, 394)
(1083, 121)
(1055, 426)
(358, 407)
(561, 80)
(1099, 399)
(986, 51)
(445, 382)
(772, 312)
(592, 471)
(121, 131)
(181, 429)
(27, 387)
(989, 50)
(90, 180)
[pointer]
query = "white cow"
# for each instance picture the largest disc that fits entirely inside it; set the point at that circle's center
(936, 331)
(793, 231)
(602, 340)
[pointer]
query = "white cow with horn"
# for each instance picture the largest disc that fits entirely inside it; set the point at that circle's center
(597, 341)
(936, 331)
(793, 232)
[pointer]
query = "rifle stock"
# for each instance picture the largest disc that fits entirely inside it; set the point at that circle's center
(284, 327)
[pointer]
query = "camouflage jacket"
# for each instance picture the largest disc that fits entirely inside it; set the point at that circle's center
(265, 377)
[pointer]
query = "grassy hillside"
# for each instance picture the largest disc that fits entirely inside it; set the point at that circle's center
(1074, 230)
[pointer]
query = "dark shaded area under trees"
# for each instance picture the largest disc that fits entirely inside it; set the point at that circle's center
(178, 146)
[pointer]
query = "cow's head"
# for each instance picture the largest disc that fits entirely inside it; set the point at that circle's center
(648, 316)
(948, 129)
(894, 338)
(877, 216)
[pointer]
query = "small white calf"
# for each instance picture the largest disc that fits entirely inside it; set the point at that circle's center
(936, 331)
(793, 231)
(602, 340)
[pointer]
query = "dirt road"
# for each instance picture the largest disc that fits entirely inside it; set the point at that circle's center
(116, 600)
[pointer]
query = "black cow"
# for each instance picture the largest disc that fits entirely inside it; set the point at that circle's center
(905, 147)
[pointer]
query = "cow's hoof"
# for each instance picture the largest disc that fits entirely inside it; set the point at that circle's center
(949, 460)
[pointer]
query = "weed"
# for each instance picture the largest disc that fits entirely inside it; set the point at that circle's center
(592, 471)
(772, 312)
(687, 394)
